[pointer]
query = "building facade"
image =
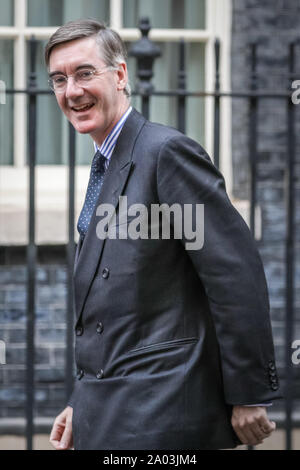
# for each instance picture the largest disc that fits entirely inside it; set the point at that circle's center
(273, 23)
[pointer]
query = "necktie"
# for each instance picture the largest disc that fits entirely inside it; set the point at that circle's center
(92, 194)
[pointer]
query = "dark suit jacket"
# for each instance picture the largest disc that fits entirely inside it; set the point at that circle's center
(167, 339)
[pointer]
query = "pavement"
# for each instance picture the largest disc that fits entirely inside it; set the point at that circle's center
(41, 442)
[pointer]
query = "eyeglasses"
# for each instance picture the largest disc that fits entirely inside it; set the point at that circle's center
(58, 82)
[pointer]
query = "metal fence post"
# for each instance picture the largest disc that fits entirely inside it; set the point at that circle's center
(145, 51)
(181, 103)
(31, 248)
(70, 266)
(253, 138)
(217, 106)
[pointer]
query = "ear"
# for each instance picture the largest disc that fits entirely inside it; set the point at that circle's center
(122, 76)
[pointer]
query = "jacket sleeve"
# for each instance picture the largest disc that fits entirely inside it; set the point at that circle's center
(230, 269)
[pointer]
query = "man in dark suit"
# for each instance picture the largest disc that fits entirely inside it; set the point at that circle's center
(173, 340)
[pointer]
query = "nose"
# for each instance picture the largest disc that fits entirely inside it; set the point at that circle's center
(72, 89)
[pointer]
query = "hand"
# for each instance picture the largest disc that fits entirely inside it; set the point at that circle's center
(251, 424)
(61, 435)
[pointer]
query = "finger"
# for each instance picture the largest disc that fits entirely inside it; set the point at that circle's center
(259, 432)
(240, 432)
(56, 433)
(250, 437)
(267, 426)
(55, 444)
(241, 436)
(66, 439)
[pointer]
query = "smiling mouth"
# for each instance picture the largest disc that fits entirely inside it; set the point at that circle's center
(83, 108)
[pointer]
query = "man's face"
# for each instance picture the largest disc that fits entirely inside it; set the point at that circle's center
(95, 108)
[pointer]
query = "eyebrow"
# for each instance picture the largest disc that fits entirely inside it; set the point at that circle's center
(82, 66)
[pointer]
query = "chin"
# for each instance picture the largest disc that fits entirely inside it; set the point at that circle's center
(83, 128)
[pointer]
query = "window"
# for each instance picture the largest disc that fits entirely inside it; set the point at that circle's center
(57, 12)
(6, 110)
(167, 14)
(197, 21)
(7, 13)
(164, 109)
(172, 19)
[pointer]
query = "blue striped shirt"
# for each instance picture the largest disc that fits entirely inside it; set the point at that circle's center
(109, 143)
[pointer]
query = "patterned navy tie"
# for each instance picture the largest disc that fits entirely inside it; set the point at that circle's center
(92, 194)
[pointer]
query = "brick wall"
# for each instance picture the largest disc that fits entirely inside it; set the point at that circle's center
(274, 24)
(51, 291)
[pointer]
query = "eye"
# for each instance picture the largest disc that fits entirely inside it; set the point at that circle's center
(84, 74)
(59, 80)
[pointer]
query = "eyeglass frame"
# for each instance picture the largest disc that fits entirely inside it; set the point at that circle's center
(91, 70)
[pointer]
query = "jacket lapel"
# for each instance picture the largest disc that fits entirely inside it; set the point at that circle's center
(78, 248)
(114, 183)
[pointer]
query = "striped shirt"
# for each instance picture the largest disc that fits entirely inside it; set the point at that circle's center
(109, 143)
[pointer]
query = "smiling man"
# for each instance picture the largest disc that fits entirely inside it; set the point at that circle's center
(96, 107)
(174, 346)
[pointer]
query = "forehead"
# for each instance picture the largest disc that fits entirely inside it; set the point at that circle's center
(72, 54)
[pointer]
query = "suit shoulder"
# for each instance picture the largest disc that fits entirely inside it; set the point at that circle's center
(156, 134)
(161, 143)
(159, 136)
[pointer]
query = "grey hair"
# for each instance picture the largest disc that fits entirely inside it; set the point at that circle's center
(111, 47)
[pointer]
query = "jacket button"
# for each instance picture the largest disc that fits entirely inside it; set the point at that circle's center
(79, 331)
(274, 387)
(99, 328)
(80, 374)
(272, 366)
(99, 374)
(105, 273)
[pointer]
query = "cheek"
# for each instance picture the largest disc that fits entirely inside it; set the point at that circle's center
(61, 103)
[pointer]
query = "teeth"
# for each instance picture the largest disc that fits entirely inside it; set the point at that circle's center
(80, 108)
